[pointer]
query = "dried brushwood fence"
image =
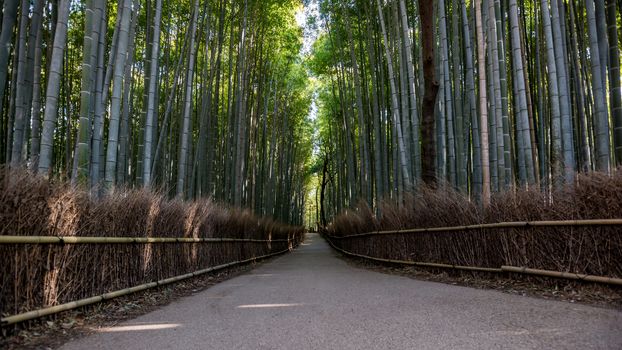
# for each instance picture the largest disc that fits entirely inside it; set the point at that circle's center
(58, 246)
(524, 229)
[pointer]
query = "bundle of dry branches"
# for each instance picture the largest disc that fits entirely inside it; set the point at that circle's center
(40, 275)
(595, 250)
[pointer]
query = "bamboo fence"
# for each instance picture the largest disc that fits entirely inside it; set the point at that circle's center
(30, 315)
(8, 241)
(515, 224)
(123, 240)
(332, 239)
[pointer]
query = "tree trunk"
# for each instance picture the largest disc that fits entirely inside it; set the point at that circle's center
(8, 22)
(556, 131)
(83, 149)
(185, 131)
(151, 116)
(53, 88)
(483, 104)
(36, 102)
(117, 89)
(414, 111)
(477, 172)
(601, 118)
(568, 161)
(428, 146)
(525, 155)
(19, 120)
(97, 156)
(394, 105)
(615, 92)
(363, 147)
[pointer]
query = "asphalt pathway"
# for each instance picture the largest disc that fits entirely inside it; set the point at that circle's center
(311, 299)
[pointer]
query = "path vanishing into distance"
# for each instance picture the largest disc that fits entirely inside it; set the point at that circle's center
(312, 299)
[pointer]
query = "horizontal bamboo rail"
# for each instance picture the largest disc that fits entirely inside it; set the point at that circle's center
(516, 224)
(504, 268)
(416, 263)
(566, 275)
(122, 240)
(107, 296)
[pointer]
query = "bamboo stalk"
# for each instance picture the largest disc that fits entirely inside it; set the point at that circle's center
(416, 263)
(566, 275)
(122, 240)
(516, 224)
(107, 296)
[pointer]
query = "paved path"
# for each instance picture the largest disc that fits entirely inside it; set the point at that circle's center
(311, 299)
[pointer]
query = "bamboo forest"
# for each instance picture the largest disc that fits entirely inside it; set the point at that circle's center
(153, 149)
(214, 98)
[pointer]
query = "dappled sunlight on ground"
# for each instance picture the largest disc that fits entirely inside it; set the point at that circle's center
(266, 306)
(527, 332)
(140, 327)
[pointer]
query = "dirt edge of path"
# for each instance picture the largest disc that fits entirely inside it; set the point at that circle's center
(591, 294)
